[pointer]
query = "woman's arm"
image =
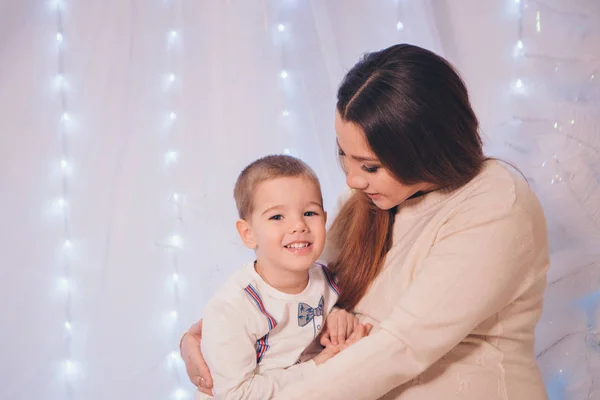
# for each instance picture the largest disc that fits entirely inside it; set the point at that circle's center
(196, 368)
(199, 373)
(229, 348)
(481, 262)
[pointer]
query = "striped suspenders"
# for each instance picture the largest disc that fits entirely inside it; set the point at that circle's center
(262, 344)
(330, 279)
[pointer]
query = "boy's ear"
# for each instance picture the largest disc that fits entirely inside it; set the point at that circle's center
(245, 232)
(325, 216)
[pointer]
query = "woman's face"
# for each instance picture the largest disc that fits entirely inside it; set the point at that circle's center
(364, 171)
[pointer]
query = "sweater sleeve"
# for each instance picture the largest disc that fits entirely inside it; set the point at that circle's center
(478, 264)
(228, 346)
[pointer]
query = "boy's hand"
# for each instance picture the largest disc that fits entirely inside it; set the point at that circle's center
(338, 327)
(330, 351)
(359, 332)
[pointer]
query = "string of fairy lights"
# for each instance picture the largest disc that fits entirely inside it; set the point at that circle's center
(62, 204)
(282, 32)
(172, 81)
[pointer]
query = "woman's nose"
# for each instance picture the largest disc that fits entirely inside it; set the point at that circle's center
(356, 181)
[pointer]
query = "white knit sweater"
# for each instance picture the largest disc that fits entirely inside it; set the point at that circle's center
(455, 306)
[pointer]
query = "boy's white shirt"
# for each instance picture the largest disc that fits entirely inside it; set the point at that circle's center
(253, 336)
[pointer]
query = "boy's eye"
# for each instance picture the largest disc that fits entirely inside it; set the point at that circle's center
(370, 170)
(310, 214)
(341, 152)
(276, 217)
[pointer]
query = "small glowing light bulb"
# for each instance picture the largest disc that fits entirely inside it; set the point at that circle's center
(59, 37)
(176, 241)
(68, 365)
(171, 156)
(173, 34)
(67, 325)
(174, 355)
(64, 164)
(175, 277)
(173, 116)
(285, 113)
(399, 26)
(174, 314)
(61, 202)
(286, 151)
(68, 244)
(65, 117)
(281, 27)
(64, 284)
(284, 74)
(175, 197)
(517, 1)
(520, 44)
(572, 122)
(180, 394)
(556, 125)
(519, 83)
(538, 25)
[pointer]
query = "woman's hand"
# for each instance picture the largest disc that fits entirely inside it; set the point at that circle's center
(338, 327)
(327, 353)
(331, 350)
(195, 365)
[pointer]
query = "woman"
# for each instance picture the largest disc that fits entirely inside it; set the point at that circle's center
(443, 250)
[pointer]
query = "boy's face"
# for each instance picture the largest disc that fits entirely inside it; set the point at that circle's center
(287, 226)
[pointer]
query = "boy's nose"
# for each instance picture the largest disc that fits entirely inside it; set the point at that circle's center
(299, 227)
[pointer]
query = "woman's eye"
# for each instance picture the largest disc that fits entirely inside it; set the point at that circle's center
(341, 153)
(310, 214)
(370, 170)
(276, 217)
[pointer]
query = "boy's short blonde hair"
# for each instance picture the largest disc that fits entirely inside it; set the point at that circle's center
(263, 169)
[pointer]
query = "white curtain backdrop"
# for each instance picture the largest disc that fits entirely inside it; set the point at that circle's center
(126, 122)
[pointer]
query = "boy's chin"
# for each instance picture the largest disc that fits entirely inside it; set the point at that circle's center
(299, 262)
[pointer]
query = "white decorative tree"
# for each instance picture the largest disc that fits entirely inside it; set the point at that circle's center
(554, 137)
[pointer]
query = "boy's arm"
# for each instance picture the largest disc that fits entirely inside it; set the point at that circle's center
(229, 348)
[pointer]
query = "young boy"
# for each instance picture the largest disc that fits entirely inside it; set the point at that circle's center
(258, 324)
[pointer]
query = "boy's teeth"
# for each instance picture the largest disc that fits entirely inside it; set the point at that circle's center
(297, 245)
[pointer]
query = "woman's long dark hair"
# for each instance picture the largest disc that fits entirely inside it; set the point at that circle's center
(417, 118)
